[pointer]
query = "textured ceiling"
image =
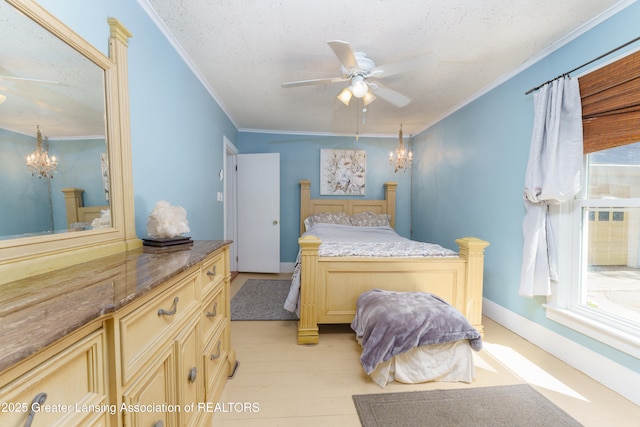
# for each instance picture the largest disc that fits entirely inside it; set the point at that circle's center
(46, 83)
(244, 49)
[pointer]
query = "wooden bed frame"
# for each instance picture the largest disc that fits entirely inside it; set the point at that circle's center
(76, 211)
(330, 286)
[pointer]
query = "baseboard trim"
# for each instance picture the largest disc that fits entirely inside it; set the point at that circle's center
(287, 267)
(618, 378)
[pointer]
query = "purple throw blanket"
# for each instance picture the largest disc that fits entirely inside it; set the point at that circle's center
(388, 323)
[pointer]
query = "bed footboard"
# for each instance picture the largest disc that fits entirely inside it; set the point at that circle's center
(330, 286)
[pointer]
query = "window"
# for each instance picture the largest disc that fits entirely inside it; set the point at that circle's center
(599, 232)
(599, 252)
(610, 258)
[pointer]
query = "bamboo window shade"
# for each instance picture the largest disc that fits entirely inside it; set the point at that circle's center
(611, 104)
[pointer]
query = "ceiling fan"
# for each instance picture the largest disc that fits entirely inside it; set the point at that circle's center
(359, 70)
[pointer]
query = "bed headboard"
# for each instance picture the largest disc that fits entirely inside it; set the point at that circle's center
(76, 211)
(309, 206)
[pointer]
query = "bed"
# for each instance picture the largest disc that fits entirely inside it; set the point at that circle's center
(79, 216)
(329, 286)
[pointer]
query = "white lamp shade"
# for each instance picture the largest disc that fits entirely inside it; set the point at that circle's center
(345, 96)
(368, 98)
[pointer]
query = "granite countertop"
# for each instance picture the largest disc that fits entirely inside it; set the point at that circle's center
(39, 310)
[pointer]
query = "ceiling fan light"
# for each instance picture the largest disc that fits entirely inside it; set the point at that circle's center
(359, 87)
(368, 98)
(345, 96)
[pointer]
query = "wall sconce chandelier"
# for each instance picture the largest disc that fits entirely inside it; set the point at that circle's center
(39, 163)
(402, 158)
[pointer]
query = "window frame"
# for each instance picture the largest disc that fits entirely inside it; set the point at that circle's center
(563, 305)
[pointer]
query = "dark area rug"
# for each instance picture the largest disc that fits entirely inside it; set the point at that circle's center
(260, 299)
(508, 406)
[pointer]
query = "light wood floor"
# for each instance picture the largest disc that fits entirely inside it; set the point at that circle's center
(283, 384)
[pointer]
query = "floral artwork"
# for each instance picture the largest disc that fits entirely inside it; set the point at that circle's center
(342, 172)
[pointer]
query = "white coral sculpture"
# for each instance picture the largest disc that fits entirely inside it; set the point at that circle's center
(167, 221)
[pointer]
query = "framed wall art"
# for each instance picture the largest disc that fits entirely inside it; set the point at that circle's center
(342, 172)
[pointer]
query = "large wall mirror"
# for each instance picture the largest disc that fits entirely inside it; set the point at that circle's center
(52, 129)
(64, 142)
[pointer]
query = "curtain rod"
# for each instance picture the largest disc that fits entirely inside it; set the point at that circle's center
(583, 65)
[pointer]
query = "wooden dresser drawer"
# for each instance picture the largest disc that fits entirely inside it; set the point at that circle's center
(147, 328)
(69, 388)
(143, 399)
(98, 420)
(214, 312)
(190, 383)
(215, 365)
(213, 271)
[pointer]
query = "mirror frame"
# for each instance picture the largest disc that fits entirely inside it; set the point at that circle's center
(24, 257)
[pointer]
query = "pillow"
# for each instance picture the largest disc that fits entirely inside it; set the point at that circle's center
(327, 218)
(370, 219)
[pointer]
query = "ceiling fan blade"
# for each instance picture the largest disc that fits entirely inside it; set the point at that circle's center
(26, 79)
(344, 53)
(314, 82)
(421, 62)
(390, 95)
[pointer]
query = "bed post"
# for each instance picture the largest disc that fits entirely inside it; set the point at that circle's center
(305, 202)
(73, 201)
(308, 325)
(472, 249)
(390, 198)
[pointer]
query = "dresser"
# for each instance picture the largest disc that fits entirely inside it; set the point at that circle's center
(135, 339)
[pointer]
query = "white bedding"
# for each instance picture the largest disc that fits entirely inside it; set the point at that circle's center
(347, 240)
(450, 362)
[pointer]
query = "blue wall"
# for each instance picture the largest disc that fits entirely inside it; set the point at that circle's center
(470, 167)
(177, 127)
(300, 159)
(25, 206)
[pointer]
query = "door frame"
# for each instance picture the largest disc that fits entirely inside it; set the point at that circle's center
(230, 199)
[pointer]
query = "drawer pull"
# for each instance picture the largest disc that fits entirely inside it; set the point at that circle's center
(171, 312)
(158, 423)
(215, 310)
(212, 273)
(35, 404)
(193, 372)
(217, 355)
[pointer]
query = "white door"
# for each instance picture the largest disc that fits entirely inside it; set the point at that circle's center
(258, 212)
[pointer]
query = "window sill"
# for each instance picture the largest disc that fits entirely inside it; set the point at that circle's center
(627, 341)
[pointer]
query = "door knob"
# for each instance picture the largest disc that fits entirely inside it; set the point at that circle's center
(275, 222)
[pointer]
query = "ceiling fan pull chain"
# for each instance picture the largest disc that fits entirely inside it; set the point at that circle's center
(357, 120)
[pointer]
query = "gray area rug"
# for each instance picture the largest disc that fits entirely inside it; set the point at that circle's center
(260, 299)
(514, 405)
